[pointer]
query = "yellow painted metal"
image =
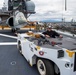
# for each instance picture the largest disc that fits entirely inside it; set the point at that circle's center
(38, 47)
(30, 64)
(70, 53)
(27, 26)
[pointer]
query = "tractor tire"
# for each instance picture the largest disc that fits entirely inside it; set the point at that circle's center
(45, 67)
(19, 47)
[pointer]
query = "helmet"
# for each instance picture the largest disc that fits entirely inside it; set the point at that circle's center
(49, 27)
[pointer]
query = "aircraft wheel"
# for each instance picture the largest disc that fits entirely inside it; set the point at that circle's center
(45, 67)
(13, 30)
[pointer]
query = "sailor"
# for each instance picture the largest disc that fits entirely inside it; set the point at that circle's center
(51, 33)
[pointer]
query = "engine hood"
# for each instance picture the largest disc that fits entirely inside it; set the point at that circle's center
(66, 42)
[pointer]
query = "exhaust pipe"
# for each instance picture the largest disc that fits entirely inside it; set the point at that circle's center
(17, 21)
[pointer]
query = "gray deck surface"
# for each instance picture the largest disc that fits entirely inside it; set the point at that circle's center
(11, 61)
(6, 39)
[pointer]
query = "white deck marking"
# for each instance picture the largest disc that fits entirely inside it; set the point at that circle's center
(8, 36)
(8, 43)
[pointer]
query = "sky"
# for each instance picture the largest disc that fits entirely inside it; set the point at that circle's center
(48, 9)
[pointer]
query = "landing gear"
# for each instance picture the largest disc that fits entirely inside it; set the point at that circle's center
(13, 30)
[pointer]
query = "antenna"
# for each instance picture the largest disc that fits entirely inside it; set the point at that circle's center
(4, 4)
(65, 5)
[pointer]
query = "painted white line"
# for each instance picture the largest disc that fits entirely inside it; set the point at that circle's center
(8, 36)
(8, 43)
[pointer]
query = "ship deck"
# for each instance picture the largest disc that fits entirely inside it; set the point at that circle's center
(11, 61)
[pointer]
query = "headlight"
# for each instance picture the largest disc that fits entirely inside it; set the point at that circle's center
(68, 64)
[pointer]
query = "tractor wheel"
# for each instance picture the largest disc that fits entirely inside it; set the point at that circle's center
(45, 67)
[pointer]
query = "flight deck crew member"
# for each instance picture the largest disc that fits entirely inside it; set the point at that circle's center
(50, 33)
